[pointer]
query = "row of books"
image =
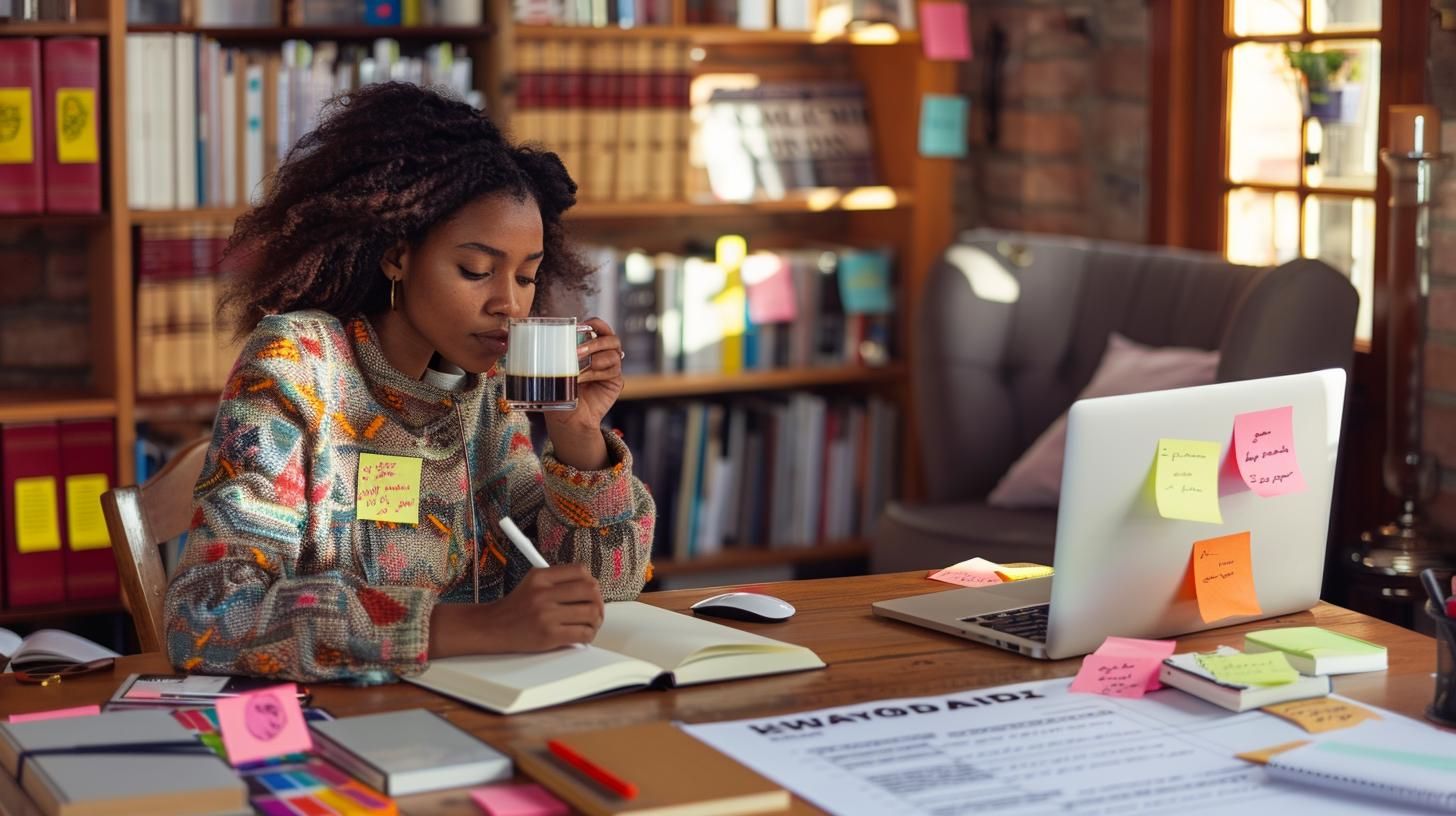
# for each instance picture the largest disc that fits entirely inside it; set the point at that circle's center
(774, 309)
(50, 109)
(833, 16)
(762, 472)
(207, 124)
(220, 13)
(616, 113)
(30, 10)
(181, 348)
(57, 548)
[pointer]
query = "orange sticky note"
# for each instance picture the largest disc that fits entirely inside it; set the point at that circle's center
(1264, 451)
(973, 572)
(1223, 574)
(1322, 714)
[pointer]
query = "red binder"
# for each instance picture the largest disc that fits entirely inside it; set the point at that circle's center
(22, 181)
(30, 462)
(72, 79)
(88, 469)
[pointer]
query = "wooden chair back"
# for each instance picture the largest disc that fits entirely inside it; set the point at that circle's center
(140, 519)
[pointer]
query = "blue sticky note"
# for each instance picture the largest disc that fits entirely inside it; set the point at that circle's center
(943, 125)
(864, 282)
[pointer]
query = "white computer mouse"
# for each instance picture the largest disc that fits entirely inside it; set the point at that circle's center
(745, 606)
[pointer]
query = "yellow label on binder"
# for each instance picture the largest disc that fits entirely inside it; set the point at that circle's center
(76, 141)
(16, 145)
(85, 523)
(37, 522)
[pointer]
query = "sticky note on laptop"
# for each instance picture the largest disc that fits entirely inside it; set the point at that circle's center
(1223, 577)
(1264, 451)
(973, 572)
(1186, 480)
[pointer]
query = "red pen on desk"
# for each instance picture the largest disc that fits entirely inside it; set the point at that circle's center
(600, 775)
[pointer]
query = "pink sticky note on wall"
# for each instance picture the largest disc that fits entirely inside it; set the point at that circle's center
(518, 800)
(56, 714)
(975, 572)
(262, 724)
(1157, 650)
(945, 31)
(1264, 450)
(1115, 675)
(770, 284)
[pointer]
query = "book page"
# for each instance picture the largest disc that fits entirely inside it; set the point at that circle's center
(53, 645)
(521, 682)
(695, 650)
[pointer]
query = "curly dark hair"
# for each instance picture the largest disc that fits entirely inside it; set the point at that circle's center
(387, 163)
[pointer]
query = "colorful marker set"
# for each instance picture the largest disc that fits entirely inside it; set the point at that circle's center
(314, 788)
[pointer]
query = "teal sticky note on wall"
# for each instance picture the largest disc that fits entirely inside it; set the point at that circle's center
(943, 125)
(864, 282)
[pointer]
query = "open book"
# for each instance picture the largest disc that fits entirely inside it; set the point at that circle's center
(637, 646)
(48, 646)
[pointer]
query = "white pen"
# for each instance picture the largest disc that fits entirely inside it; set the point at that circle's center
(522, 543)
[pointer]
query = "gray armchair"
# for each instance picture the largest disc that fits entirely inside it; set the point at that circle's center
(1012, 327)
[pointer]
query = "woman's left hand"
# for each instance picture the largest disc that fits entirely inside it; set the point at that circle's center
(577, 435)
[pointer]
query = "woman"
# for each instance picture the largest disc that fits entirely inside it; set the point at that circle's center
(375, 282)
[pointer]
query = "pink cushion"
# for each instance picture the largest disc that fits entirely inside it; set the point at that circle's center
(1035, 480)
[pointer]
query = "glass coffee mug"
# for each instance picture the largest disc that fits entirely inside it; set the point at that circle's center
(541, 363)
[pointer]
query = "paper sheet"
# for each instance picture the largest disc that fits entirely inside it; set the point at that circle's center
(1031, 748)
(1223, 577)
(1186, 481)
(388, 488)
(1264, 450)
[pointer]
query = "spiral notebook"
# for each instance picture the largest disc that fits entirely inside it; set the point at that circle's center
(1416, 771)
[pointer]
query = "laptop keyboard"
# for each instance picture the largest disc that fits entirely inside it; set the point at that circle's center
(1029, 622)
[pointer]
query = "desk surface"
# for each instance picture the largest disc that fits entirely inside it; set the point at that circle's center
(869, 658)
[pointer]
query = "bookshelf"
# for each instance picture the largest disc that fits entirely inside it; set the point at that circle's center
(910, 212)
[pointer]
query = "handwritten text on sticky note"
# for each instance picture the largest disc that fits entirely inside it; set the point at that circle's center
(1223, 576)
(1186, 485)
(1155, 650)
(943, 126)
(1262, 669)
(945, 33)
(973, 572)
(1264, 451)
(262, 724)
(1115, 675)
(1322, 714)
(388, 489)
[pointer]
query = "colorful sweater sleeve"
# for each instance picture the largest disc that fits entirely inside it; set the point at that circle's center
(239, 603)
(601, 518)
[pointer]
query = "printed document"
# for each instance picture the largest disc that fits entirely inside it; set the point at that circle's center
(1033, 748)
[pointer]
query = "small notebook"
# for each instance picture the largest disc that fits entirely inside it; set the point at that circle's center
(405, 752)
(1406, 771)
(183, 690)
(638, 646)
(124, 780)
(1313, 650)
(676, 774)
(1184, 672)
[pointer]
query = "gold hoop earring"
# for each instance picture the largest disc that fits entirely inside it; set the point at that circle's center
(393, 284)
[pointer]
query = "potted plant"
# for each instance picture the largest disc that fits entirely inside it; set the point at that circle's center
(1323, 76)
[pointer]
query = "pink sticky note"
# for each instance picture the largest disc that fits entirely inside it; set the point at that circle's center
(770, 285)
(518, 800)
(1115, 675)
(262, 724)
(1264, 449)
(945, 32)
(975, 572)
(56, 714)
(1158, 650)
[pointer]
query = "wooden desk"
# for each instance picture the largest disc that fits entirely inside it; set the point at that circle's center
(869, 658)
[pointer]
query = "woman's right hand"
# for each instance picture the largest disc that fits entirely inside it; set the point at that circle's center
(551, 607)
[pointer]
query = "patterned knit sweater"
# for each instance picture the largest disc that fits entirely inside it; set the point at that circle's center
(280, 579)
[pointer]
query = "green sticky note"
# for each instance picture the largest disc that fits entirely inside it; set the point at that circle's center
(1312, 641)
(1186, 486)
(1262, 669)
(943, 125)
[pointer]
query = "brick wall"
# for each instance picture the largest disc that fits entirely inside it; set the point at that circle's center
(44, 337)
(1070, 152)
(1440, 382)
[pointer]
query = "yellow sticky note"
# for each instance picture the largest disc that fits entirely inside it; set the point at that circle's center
(37, 515)
(85, 523)
(1322, 714)
(1262, 669)
(76, 141)
(1020, 571)
(1263, 755)
(388, 489)
(1223, 577)
(16, 145)
(1187, 480)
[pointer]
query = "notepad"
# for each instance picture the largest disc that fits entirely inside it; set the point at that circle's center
(1313, 650)
(1420, 771)
(411, 751)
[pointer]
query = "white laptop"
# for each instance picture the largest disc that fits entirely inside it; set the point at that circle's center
(1120, 567)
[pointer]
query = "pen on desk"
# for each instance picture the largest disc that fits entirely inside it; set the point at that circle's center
(1433, 589)
(522, 543)
(600, 775)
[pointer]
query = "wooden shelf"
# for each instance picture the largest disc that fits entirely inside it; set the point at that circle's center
(50, 612)
(204, 214)
(821, 199)
(41, 407)
(659, 386)
(745, 559)
(54, 28)
(55, 220)
(721, 35)
(339, 32)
